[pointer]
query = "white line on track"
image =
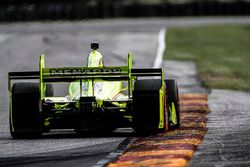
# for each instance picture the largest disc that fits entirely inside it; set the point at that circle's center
(160, 49)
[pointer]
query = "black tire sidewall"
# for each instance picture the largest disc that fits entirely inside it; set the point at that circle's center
(145, 106)
(26, 117)
(173, 96)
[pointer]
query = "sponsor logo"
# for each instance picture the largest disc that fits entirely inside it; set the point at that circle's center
(64, 71)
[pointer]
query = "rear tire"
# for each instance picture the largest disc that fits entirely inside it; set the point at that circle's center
(25, 118)
(146, 107)
(172, 100)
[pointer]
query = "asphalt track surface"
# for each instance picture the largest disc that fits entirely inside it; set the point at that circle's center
(67, 44)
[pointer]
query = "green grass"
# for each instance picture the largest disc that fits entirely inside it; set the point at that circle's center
(222, 53)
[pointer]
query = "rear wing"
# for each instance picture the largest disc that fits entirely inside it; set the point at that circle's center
(69, 74)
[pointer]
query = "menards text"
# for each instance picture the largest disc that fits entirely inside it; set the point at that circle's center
(69, 71)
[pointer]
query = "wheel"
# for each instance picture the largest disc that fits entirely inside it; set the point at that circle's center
(25, 119)
(147, 99)
(173, 103)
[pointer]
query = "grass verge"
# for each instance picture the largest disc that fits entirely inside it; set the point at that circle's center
(222, 53)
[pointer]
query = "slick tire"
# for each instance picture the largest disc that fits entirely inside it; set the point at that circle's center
(25, 118)
(172, 100)
(146, 107)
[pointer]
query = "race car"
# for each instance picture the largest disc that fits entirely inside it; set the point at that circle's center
(97, 99)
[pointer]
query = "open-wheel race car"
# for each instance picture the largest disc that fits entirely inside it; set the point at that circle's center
(97, 99)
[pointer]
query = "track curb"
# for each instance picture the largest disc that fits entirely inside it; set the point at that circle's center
(175, 147)
(113, 156)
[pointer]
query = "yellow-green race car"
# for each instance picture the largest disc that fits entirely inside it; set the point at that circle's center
(96, 100)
